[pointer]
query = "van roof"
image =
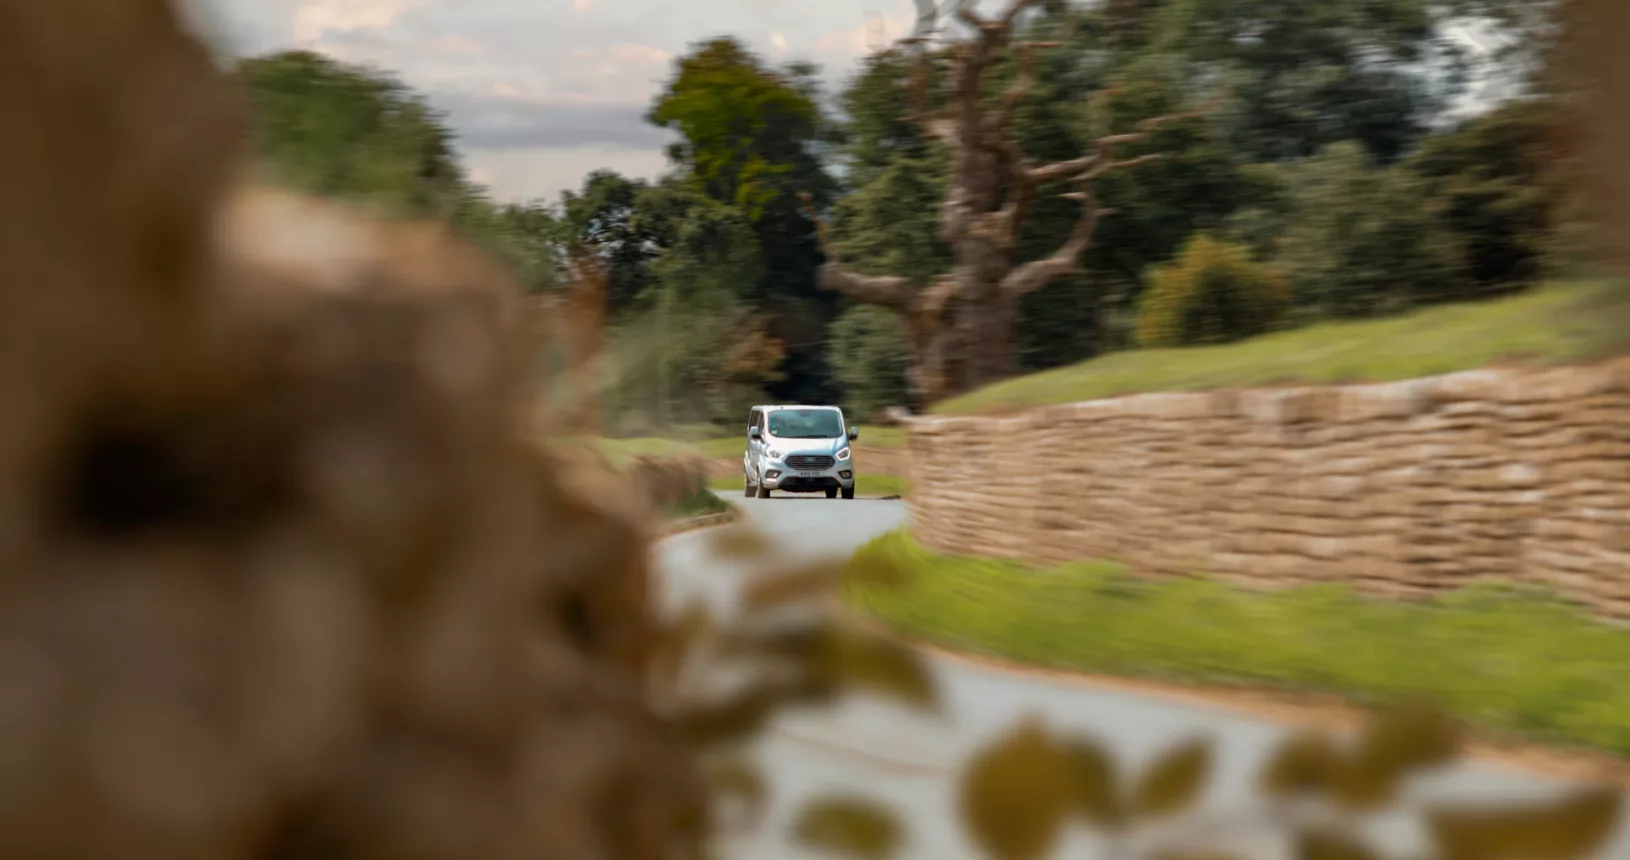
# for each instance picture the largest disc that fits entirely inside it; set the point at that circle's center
(798, 406)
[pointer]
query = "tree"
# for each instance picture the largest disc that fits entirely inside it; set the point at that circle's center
(604, 217)
(1304, 74)
(751, 138)
(962, 325)
(333, 129)
(870, 358)
(1493, 184)
(1363, 241)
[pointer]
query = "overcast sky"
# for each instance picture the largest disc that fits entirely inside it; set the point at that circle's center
(543, 91)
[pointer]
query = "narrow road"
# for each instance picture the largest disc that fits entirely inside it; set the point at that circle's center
(909, 761)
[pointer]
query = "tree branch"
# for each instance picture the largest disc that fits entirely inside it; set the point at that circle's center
(1036, 274)
(887, 291)
(999, 119)
(939, 125)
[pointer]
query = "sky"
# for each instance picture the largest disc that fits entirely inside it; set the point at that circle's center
(541, 92)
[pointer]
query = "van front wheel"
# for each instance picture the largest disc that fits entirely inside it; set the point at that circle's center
(848, 492)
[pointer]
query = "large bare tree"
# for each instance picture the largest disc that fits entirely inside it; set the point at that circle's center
(962, 325)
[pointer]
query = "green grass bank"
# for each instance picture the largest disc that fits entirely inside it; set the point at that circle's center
(1516, 663)
(1558, 324)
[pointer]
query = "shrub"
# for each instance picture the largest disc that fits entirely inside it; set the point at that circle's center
(1213, 293)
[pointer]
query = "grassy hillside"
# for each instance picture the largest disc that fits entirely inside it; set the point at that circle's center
(1515, 662)
(1559, 324)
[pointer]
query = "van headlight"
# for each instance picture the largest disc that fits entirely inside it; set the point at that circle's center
(844, 454)
(774, 454)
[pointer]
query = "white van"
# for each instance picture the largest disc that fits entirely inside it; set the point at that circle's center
(799, 449)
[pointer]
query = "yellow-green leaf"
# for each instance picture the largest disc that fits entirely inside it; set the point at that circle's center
(1325, 844)
(679, 638)
(1570, 829)
(812, 582)
(1305, 763)
(739, 542)
(1016, 793)
(850, 826)
(1173, 783)
(1097, 784)
(1395, 744)
(873, 568)
(735, 777)
(871, 662)
(732, 721)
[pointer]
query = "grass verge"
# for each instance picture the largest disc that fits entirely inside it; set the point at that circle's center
(1558, 324)
(1512, 662)
(696, 505)
(865, 485)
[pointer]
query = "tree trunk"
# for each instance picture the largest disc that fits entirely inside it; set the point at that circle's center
(962, 327)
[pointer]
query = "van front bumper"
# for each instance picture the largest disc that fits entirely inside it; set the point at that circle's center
(781, 476)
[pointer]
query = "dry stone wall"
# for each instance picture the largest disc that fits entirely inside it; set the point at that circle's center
(1401, 489)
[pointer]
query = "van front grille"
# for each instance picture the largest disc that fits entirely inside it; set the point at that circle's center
(810, 462)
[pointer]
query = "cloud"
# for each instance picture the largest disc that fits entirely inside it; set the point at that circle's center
(313, 19)
(538, 88)
(502, 121)
(527, 174)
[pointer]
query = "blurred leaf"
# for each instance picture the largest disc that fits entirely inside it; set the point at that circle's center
(877, 569)
(1097, 789)
(1305, 763)
(740, 778)
(1399, 741)
(731, 721)
(739, 542)
(1017, 792)
(1566, 830)
(741, 716)
(679, 638)
(1173, 783)
(1325, 844)
(770, 591)
(881, 665)
(850, 826)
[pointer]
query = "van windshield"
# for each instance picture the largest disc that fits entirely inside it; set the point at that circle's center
(806, 424)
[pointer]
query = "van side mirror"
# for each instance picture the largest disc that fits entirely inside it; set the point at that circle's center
(854, 433)
(755, 433)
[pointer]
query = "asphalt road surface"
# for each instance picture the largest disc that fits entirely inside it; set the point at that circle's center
(909, 761)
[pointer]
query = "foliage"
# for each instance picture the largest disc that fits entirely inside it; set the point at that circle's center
(1487, 654)
(1300, 75)
(328, 128)
(1559, 324)
(1018, 791)
(1492, 182)
(1213, 293)
(1198, 181)
(870, 358)
(1363, 242)
(745, 131)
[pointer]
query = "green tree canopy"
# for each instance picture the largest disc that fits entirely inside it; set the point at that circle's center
(329, 128)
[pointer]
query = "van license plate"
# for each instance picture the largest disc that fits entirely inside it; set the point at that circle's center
(809, 474)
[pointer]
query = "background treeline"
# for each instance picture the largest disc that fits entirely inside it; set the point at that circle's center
(1326, 178)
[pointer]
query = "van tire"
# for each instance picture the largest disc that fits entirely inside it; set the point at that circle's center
(747, 486)
(831, 492)
(763, 493)
(848, 492)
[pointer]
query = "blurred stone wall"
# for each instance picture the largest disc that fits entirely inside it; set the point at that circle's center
(1399, 489)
